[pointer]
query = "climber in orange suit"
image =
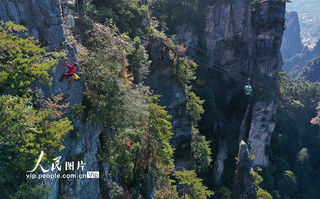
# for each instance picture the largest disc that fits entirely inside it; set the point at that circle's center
(71, 72)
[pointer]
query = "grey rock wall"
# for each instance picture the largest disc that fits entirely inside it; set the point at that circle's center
(47, 20)
(244, 187)
(262, 125)
(291, 41)
(245, 38)
(163, 82)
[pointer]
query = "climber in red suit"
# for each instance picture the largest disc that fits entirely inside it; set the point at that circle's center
(71, 72)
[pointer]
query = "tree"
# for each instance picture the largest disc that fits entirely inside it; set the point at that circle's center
(257, 180)
(142, 155)
(31, 190)
(184, 70)
(201, 152)
(22, 60)
(194, 106)
(26, 129)
(287, 184)
(139, 64)
(191, 186)
(24, 133)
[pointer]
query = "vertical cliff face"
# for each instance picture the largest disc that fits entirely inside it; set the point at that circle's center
(262, 125)
(243, 41)
(47, 21)
(291, 44)
(243, 183)
(163, 82)
(246, 36)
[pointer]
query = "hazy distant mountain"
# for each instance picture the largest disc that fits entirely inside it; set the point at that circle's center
(311, 71)
(295, 64)
(309, 14)
(291, 41)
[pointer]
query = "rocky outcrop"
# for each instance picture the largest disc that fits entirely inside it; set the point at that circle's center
(311, 71)
(220, 161)
(163, 82)
(291, 41)
(245, 38)
(262, 125)
(47, 21)
(243, 186)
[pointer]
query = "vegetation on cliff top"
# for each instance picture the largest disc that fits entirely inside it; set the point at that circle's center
(28, 125)
(137, 146)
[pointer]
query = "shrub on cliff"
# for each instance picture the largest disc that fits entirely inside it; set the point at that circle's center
(22, 60)
(201, 152)
(139, 63)
(190, 186)
(24, 133)
(128, 15)
(26, 129)
(142, 153)
(111, 97)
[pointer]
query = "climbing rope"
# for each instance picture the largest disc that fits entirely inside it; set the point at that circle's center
(250, 72)
(222, 69)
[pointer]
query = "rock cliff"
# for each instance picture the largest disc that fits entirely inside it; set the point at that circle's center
(242, 40)
(291, 41)
(243, 183)
(47, 21)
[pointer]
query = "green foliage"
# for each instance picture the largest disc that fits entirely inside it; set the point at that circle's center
(287, 184)
(257, 180)
(167, 189)
(262, 194)
(111, 98)
(142, 151)
(128, 15)
(201, 152)
(223, 193)
(31, 190)
(184, 69)
(115, 191)
(290, 158)
(22, 60)
(191, 186)
(194, 106)
(139, 64)
(24, 133)
(179, 12)
(138, 150)
(28, 125)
